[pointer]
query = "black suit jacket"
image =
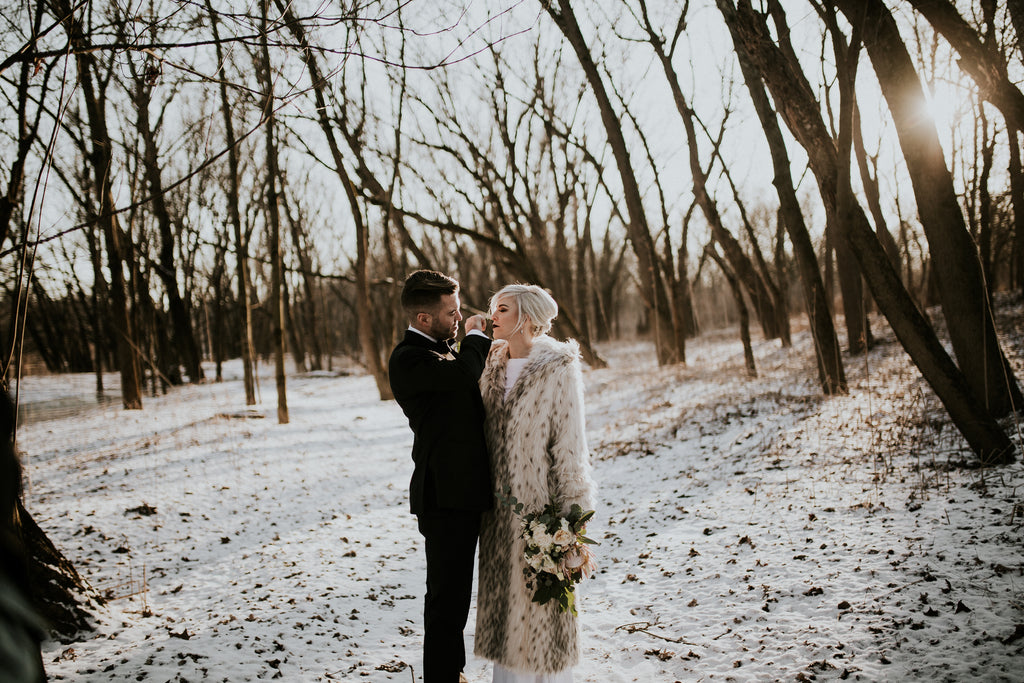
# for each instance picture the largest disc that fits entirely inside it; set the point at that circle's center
(441, 398)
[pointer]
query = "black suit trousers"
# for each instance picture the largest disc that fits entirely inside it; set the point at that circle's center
(451, 538)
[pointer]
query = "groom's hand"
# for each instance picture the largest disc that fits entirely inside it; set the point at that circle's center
(476, 322)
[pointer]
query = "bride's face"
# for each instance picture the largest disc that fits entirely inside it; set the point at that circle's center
(504, 317)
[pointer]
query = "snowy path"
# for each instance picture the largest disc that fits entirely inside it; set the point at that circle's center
(751, 530)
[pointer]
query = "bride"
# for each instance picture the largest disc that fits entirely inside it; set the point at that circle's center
(532, 389)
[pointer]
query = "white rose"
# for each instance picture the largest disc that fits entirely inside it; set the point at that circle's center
(541, 536)
(563, 537)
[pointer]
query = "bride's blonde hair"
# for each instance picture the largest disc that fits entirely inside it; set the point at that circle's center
(534, 304)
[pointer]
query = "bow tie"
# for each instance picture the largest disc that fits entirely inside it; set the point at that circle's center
(443, 347)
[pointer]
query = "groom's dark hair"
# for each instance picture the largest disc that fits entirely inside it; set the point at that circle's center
(423, 291)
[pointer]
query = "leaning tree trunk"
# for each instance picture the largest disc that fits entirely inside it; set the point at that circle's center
(771, 310)
(63, 599)
(965, 302)
(831, 373)
(858, 329)
(797, 105)
(872, 192)
(740, 264)
(652, 284)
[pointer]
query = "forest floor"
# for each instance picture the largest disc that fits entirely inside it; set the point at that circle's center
(750, 529)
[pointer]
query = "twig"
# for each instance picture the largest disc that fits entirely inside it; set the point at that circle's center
(642, 626)
(899, 588)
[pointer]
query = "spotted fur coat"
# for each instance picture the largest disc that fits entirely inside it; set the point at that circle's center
(539, 449)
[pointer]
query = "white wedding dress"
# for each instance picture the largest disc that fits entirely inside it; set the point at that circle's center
(501, 674)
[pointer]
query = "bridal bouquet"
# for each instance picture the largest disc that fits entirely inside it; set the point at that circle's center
(557, 556)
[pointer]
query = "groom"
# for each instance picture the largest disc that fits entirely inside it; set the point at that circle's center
(451, 480)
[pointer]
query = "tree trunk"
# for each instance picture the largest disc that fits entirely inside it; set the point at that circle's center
(241, 240)
(1016, 10)
(985, 247)
(781, 276)
(60, 595)
(364, 313)
(858, 329)
(101, 159)
(584, 328)
(274, 221)
(309, 329)
(1017, 201)
(185, 346)
(871, 191)
(294, 341)
(961, 283)
(831, 374)
(741, 307)
(739, 262)
(652, 285)
(854, 307)
(99, 302)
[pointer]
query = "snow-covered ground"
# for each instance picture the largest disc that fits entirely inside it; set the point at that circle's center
(750, 529)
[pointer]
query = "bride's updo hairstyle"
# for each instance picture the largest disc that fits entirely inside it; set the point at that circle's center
(536, 308)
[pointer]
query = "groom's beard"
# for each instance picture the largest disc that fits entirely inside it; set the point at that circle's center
(442, 332)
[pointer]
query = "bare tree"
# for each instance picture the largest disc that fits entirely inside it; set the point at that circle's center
(742, 267)
(235, 219)
(372, 351)
(741, 306)
(93, 88)
(651, 279)
(264, 67)
(182, 335)
(827, 353)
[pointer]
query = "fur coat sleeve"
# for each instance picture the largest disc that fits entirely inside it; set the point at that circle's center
(570, 458)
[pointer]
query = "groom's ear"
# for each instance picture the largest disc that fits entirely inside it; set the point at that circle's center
(424, 318)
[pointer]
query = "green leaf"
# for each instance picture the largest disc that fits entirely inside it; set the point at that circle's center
(569, 603)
